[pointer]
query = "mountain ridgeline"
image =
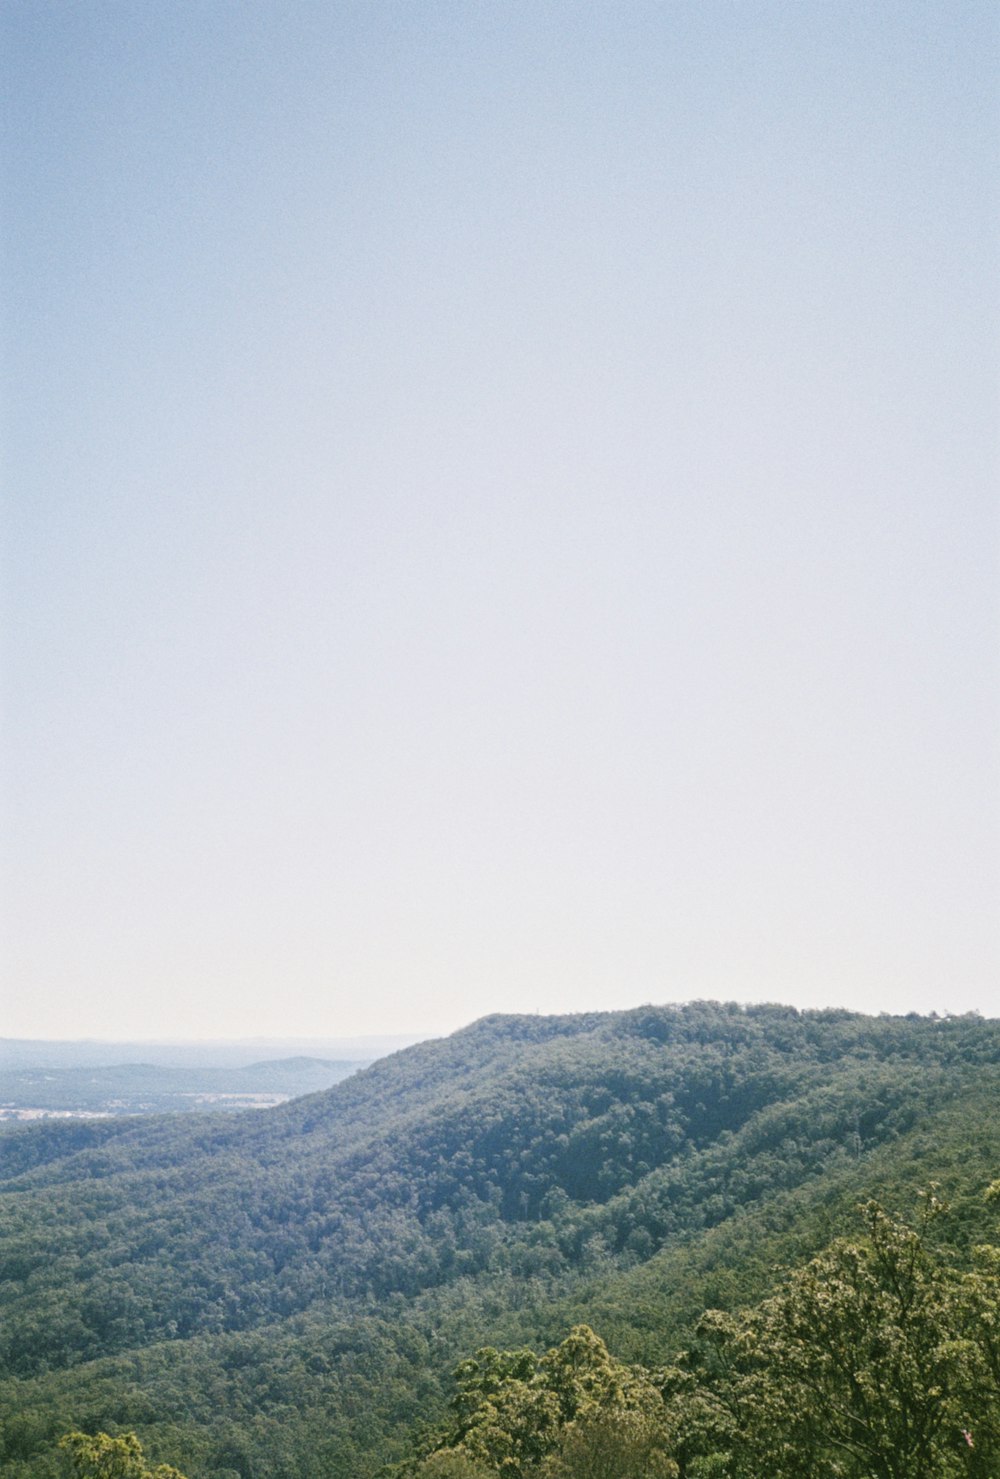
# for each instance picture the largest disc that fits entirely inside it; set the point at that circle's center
(286, 1293)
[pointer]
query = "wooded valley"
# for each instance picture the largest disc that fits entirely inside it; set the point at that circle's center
(705, 1240)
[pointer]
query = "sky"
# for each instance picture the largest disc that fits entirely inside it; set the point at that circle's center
(500, 511)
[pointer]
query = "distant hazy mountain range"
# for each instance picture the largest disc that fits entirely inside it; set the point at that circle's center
(219, 1053)
(84, 1079)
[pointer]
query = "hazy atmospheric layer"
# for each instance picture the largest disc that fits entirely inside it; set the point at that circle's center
(500, 511)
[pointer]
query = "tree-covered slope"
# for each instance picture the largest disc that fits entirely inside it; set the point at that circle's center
(624, 1168)
(877, 1359)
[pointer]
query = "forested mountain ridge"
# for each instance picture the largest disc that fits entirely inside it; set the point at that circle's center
(517, 1176)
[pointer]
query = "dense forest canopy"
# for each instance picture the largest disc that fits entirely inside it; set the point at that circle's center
(287, 1294)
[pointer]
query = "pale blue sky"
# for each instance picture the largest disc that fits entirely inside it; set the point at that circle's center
(501, 511)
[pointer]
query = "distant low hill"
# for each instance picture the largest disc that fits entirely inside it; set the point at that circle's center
(148, 1088)
(18, 1053)
(40, 1079)
(282, 1295)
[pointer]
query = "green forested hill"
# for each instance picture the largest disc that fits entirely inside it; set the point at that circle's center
(284, 1294)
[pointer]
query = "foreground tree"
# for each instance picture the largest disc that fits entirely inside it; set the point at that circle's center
(879, 1359)
(449, 1464)
(876, 1361)
(611, 1444)
(573, 1412)
(102, 1457)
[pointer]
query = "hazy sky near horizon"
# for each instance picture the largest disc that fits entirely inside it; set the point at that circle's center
(501, 511)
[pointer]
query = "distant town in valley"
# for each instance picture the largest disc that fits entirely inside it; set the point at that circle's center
(98, 1080)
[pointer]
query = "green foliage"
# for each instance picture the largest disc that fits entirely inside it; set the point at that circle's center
(575, 1410)
(612, 1445)
(284, 1294)
(452, 1465)
(103, 1457)
(878, 1358)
